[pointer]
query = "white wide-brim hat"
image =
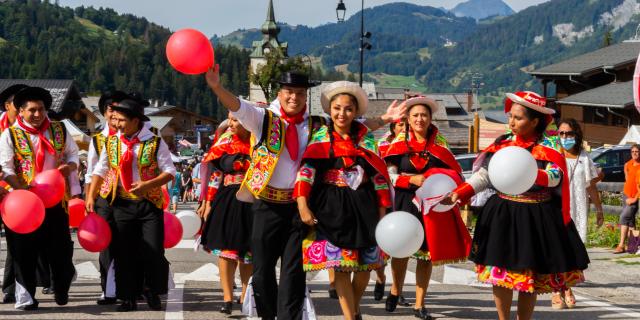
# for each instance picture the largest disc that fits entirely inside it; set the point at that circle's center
(348, 87)
(527, 99)
(427, 102)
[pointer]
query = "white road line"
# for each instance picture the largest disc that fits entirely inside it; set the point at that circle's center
(173, 311)
(87, 271)
(609, 307)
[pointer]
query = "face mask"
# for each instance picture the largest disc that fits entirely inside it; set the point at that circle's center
(568, 143)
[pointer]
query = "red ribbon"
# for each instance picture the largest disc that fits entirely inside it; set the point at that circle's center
(126, 162)
(44, 144)
(291, 134)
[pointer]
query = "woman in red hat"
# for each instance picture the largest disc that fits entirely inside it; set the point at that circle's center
(528, 242)
(411, 157)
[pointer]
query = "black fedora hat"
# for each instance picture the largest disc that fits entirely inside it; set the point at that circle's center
(110, 97)
(33, 94)
(9, 92)
(296, 79)
(132, 108)
(137, 97)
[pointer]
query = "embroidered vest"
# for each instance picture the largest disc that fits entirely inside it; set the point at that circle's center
(24, 159)
(266, 152)
(99, 140)
(147, 162)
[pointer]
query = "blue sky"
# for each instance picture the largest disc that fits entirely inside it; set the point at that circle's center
(224, 16)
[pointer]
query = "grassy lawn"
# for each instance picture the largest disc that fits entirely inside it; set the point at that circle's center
(395, 81)
(3, 41)
(95, 30)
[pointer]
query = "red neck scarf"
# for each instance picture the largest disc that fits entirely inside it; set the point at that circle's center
(112, 132)
(291, 135)
(126, 162)
(44, 145)
(418, 156)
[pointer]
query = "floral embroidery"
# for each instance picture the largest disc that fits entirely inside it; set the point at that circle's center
(318, 253)
(527, 280)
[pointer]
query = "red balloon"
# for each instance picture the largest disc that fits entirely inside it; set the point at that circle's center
(190, 52)
(22, 211)
(49, 185)
(76, 212)
(172, 230)
(167, 199)
(94, 233)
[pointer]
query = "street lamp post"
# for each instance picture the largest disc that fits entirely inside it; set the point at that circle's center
(340, 13)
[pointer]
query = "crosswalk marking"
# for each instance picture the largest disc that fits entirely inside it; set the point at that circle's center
(87, 271)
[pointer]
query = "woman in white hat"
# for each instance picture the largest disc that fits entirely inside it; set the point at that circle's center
(411, 157)
(528, 242)
(342, 190)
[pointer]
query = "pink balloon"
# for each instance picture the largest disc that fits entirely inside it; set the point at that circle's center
(49, 185)
(190, 52)
(22, 211)
(76, 212)
(94, 233)
(172, 230)
(166, 197)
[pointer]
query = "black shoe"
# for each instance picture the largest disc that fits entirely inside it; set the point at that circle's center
(403, 302)
(62, 298)
(33, 306)
(422, 313)
(378, 291)
(392, 303)
(227, 307)
(153, 301)
(47, 290)
(358, 316)
(9, 298)
(106, 301)
(333, 294)
(127, 305)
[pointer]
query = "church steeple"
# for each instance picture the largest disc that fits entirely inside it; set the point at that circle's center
(270, 29)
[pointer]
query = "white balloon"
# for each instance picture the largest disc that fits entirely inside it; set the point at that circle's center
(513, 170)
(436, 185)
(191, 223)
(399, 234)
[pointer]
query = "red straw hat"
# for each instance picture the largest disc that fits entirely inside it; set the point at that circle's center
(527, 99)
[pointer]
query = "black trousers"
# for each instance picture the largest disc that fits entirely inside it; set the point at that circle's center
(139, 251)
(277, 234)
(52, 240)
(105, 259)
(43, 273)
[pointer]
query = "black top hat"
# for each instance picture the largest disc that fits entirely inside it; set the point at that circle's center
(32, 94)
(296, 79)
(9, 92)
(132, 108)
(110, 97)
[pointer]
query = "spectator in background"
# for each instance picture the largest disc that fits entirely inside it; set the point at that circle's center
(195, 177)
(582, 183)
(174, 189)
(630, 196)
(185, 183)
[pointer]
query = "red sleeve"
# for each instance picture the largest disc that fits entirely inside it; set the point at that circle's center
(211, 193)
(465, 192)
(403, 182)
(301, 189)
(542, 179)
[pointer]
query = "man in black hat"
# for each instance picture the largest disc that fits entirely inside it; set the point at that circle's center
(32, 145)
(129, 175)
(282, 132)
(7, 119)
(98, 140)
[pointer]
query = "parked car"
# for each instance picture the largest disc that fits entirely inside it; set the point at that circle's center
(466, 162)
(611, 161)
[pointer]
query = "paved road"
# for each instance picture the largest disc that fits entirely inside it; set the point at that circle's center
(612, 292)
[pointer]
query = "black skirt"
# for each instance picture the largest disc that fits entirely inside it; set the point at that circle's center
(404, 202)
(346, 217)
(518, 236)
(229, 224)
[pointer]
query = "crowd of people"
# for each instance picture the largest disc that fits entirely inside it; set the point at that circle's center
(279, 184)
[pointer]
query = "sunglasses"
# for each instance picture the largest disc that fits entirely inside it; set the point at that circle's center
(567, 133)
